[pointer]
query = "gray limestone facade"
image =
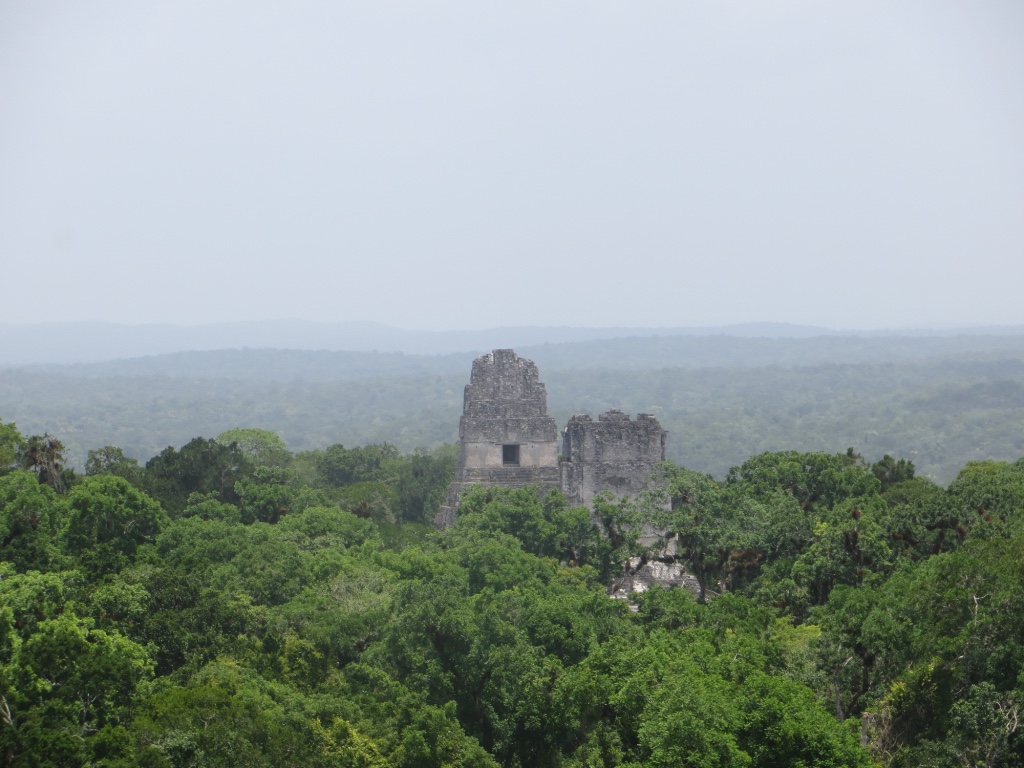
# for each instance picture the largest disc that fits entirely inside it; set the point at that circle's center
(614, 453)
(507, 438)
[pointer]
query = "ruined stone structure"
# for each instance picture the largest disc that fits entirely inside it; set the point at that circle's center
(613, 454)
(508, 439)
(639, 575)
(506, 435)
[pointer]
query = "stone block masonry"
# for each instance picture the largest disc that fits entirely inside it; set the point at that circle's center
(613, 454)
(507, 438)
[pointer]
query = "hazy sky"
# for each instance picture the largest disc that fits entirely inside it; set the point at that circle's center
(472, 164)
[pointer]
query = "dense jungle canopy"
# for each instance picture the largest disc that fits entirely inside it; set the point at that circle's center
(230, 602)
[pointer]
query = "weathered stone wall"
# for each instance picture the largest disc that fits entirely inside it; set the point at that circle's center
(639, 576)
(613, 454)
(505, 404)
(508, 439)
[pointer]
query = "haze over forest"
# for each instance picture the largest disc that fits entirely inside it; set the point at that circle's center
(937, 400)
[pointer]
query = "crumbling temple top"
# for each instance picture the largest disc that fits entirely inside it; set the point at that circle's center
(505, 434)
(507, 438)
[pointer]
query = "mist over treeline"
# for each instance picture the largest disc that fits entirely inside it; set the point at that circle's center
(939, 401)
(84, 342)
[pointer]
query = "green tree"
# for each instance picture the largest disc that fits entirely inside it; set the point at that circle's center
(109, 520)
(918, 521)
(784, 724)
(717, 528)
(890, 471)
(422, 482)
(581, 541)
(33, 597)
(987, 499)
(227, 715)
(10, 445)
(410, 732)
(814, 479)
(376, 501)
(339, 466)
(264, 495)
(849, 544)
(208, 506)
(518, 512)
(262, 447)
(201, 466)
(30, 517)
(44, 455)
(110, 460)
(346, 746)
(74, 691)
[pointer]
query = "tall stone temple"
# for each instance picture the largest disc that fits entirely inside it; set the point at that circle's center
(508, 439)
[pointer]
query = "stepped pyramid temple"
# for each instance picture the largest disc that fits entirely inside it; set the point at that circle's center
(507, 438)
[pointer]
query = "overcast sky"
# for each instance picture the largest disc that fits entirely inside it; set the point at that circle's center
(444, 165)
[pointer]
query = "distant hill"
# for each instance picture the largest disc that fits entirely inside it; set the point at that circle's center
(92, 342)
(634, 353)
(63, 343)
(265, 365)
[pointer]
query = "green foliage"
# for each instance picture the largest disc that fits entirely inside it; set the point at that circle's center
(10, 444)
(208, 506)
(717, 529)
(918, 519)
(267, 625)
(517, 512)
(227, 715)
(201, 466)
(34, 597)
(346, 746)
(267, 495)
(849, 543)
(545, 527)
(45, 455)
(30, 517)
(110, 460)
(339, 466)
(423, 480)
(890, 471)
(987, 499)
(814, 479)
(67, 690)
(108, 520)
(377, 481)
(261, 446)
(374, 500)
